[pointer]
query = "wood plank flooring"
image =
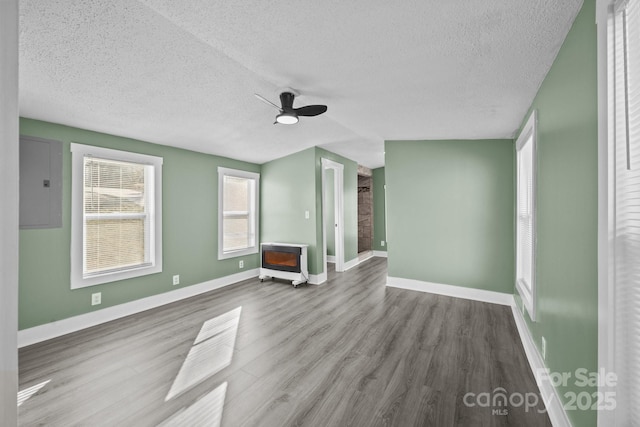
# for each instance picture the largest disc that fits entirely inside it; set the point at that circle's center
(348, 353)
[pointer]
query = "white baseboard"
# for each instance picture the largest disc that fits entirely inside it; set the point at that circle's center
(451, 291)
(352, 263)
(72, 324)
(365, 256)
(318, 279)
(382, 254)
(557, 414)
(347, 265)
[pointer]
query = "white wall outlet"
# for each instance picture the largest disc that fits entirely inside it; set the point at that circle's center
(176, 279)
(544, 348)
(381, 242)
(306, 214)
(96, 298)
(241, 264)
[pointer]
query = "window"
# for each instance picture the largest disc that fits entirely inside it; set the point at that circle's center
(238, 212)
(624, 208)
(116, 219)
(525, 211)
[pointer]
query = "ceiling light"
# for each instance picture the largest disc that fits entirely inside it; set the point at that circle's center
(287, 118)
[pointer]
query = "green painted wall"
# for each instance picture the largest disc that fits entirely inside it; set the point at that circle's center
(566, 264)
(287, 191)
(293, 184)
(190, 232)
(379, 226)
(450, 212)
(330, 212)
(350, 186)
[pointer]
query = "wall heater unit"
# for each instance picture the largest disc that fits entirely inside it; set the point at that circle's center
(284, 261)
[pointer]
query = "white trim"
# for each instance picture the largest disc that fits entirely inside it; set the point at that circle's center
(255, 218)
(386, 226)
(117, 155)
(549, 394)
(338, 186)
(331, 258)
(606, 227)
(338, 190)
(529, 133)
(357, 261)
(78, 154)
(382, 254)
(72, 324)
(363, 256)
(451, 291)
(9, 211)
(352, 263)
(318, 279)
(528, 130)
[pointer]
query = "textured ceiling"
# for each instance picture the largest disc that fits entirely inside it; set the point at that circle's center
(183, 73)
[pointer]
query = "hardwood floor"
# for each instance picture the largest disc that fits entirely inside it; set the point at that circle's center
(348, 353)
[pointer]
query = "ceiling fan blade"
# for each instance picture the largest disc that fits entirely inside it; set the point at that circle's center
(266, 101)
(310, 110)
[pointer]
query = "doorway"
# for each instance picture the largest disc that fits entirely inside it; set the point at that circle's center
(332, 214)
(365, 213)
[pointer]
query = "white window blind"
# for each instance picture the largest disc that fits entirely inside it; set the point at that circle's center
(624, 107)
(238, 218)
(237, 210)
(525, 213)
(525, 221)
(116, 215)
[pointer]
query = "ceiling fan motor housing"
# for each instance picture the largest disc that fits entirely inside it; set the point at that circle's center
(286, 100)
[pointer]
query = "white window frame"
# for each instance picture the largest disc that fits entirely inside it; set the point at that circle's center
(254, 221)
(78, 153)
(529, 134)
(614, 156)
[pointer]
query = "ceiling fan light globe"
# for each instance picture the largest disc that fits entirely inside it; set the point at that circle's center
(287, 119)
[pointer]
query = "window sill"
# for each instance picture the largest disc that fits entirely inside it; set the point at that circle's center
(238, 253)
(80, 282)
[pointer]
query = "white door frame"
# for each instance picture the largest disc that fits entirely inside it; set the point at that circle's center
(338, 192)
(9, 213)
